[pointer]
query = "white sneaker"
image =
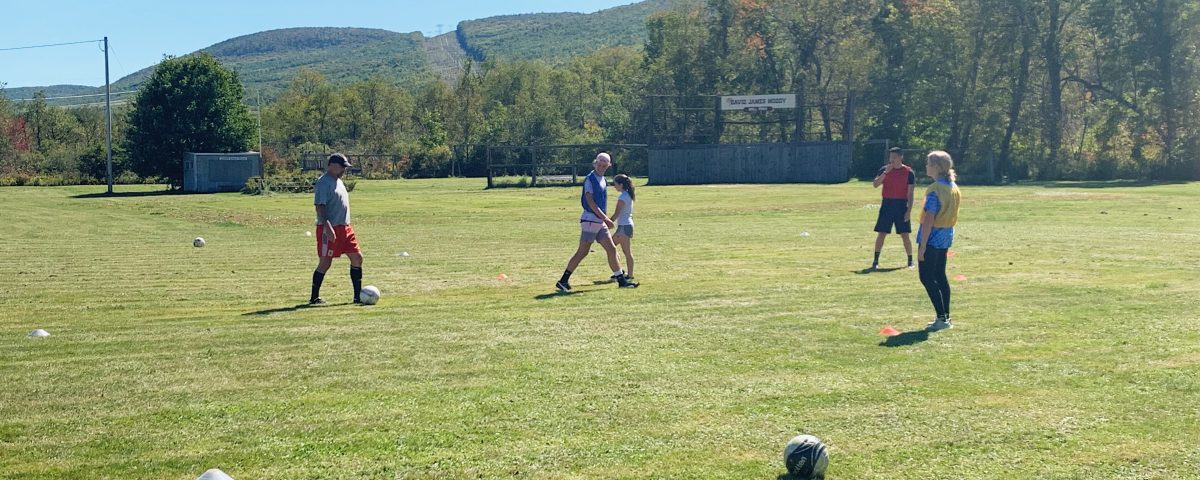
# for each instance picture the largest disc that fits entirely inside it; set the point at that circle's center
(939, 324)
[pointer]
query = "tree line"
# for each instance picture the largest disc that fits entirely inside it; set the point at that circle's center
(1016, 90)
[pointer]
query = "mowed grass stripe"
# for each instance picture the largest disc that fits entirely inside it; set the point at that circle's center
(1075, 354)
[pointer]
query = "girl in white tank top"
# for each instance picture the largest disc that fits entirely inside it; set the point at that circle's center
(623, 216)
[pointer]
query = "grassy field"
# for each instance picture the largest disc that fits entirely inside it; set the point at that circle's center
(1076, 352)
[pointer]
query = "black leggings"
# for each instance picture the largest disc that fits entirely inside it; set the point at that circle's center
(933, 277)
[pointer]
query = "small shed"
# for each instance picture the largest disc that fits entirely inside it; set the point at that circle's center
(219, 172)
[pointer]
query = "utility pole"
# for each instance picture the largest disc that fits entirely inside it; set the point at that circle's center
(108, 116)
(258, 101)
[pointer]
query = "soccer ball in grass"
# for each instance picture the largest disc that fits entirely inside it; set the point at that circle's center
(369, 295)
(805, 457)
(198, 242)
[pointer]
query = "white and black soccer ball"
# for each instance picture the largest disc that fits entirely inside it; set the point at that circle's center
(806, 457)
(198, 242)
(369, 295)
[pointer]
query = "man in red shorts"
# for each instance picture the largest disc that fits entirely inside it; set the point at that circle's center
(334, 235)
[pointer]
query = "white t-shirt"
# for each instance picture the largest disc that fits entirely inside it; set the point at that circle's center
(625, 216)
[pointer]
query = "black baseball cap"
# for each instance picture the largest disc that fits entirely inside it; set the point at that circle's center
(340, 160)
(896, 150)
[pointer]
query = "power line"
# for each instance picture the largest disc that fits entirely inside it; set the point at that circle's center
(97, 104)
(48, 45)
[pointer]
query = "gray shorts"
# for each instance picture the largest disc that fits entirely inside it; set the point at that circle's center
(625, 230)
(593, 232)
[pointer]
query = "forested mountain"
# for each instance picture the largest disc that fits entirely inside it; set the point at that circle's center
(267, 61)
(558, 36)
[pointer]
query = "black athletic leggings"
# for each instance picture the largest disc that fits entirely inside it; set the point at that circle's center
(933, 277)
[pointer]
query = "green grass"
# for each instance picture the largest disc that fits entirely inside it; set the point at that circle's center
(1076, 353)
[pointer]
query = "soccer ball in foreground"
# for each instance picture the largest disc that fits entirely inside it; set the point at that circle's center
(198, 242)
(805, 457)
(369, 295)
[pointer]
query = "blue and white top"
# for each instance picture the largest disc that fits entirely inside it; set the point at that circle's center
(625, 216)
(938, 237)
(596, 186)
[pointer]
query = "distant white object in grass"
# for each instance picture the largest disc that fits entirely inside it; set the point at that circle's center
(369, 295)
(403, 254)
(198, 242)
(39, 333)
(803, 234)
(805, 457)
(308, 234)
(214, 474)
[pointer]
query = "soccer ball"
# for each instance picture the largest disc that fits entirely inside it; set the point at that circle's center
(369, 295)
(198, 242)
(805, 457)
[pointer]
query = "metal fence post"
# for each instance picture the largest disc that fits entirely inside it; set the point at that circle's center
(489, 166)
(533, 166)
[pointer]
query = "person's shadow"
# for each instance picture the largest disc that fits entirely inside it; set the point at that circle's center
(302, 306)
(906, 338)
(547, 296)
(868, 271)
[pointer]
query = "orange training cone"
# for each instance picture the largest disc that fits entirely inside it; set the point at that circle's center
(501, 277)
(960, 277)
(889, 331)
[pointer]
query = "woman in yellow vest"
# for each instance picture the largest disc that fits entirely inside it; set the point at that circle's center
(936, 234)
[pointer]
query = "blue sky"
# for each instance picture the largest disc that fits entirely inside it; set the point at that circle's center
(140, 32)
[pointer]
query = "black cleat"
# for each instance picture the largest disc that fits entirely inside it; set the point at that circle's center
(563, 286)
(357, 302)
(317, 301)
(623, 282)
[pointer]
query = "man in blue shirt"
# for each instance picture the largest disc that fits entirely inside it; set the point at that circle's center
(594, 225)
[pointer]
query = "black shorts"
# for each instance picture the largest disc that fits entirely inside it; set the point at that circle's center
(893, 212)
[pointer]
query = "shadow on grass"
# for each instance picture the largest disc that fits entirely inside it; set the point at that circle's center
(153, 193)
(302, 306)
(868, 271)
(547, 296)
(1110, 183)
(906, 338)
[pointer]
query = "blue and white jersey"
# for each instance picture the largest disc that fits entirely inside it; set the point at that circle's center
(938, 237)
(596, 186)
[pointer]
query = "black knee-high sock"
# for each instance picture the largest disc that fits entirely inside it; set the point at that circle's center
(566, 276)
(318, 277)
(876, 262)
(356, 279)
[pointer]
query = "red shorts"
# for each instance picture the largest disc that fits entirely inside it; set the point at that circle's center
(344, 243)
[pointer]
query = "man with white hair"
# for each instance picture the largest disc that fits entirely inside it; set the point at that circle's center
(594, 225)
